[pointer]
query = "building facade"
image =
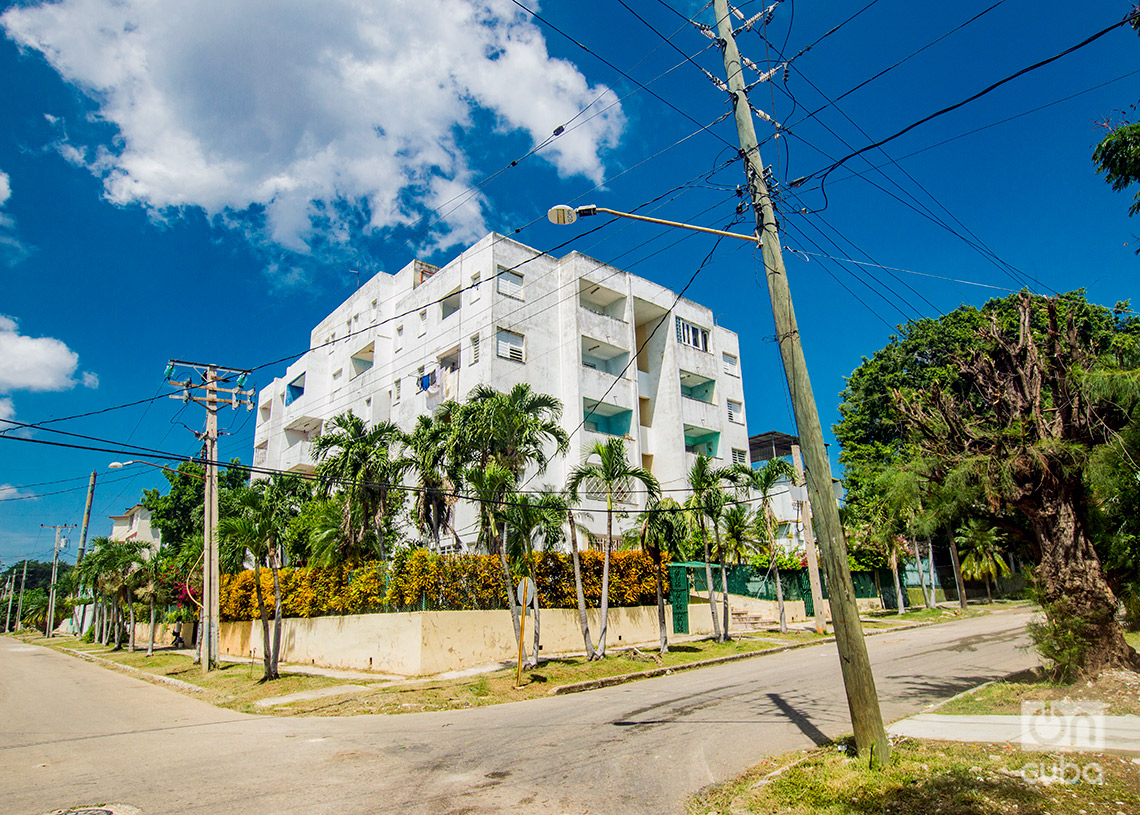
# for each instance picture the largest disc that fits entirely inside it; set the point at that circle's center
(134, 525)
(626, 357)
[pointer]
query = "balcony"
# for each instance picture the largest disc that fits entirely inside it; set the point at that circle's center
(298, 458)
(700, 414)
(609, 329)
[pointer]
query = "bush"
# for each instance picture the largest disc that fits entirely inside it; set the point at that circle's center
(416, 580)
(1061, 640)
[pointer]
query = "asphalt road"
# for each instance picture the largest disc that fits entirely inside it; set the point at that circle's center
(72, 733)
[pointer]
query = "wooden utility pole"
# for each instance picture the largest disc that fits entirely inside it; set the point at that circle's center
(54, 569)
(82, 549)
(859, 682)
(210, 627)
(809, 546)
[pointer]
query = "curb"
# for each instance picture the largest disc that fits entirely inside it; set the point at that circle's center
(621, 679)
(149, 677)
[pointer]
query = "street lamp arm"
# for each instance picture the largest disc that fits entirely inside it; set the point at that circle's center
(563, 214)
(118, 465)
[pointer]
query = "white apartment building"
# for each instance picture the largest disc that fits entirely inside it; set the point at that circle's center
(134, 525)
(626, 356)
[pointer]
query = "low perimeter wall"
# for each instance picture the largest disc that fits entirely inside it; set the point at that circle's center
(430, 642)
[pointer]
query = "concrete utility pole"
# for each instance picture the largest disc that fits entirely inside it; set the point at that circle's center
(82, 550)
(809, 545)
(862, 700)
(54, 568)
(210, 629)
(20, 604)
(11, 591)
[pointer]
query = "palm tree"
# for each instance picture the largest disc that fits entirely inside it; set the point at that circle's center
(982, 560)
(427, 457)
(581, 596)
(257, 529)
(612, 476)
(150, 588)
(663, 534)
(362, 462)
(533, 520)
(706, 485)
(514, 428)
(490, 485)
(763, 481)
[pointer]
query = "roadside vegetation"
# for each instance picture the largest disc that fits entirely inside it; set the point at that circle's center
(923, 778)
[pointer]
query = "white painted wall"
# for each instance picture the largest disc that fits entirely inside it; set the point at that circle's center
(385, 314)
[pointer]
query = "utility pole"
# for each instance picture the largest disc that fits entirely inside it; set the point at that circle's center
(54, 568)
(809, 545)
(210, 628)
(859, 682)
(11, 591)
(82, 550)
(20, 604)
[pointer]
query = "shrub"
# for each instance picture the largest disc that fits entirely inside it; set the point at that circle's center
(1062, 640)
(417, 580)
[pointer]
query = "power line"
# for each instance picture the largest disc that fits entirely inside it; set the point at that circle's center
(609, 64)
(1083, 43)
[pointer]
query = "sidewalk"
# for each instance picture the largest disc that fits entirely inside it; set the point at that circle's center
(1121, 734)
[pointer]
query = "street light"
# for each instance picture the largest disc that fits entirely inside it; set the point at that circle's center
(564, 215)
(118, 465)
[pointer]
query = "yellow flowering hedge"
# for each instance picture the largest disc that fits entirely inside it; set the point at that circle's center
(420, 580)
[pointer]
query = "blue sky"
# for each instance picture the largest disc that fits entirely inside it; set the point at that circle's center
(198, 181)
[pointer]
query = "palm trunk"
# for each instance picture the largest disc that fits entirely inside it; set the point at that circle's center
(266, 645)
(276, 616)
(131, 629)
(605, 604)
(578, 589)
(661, 604)
(150, 642)
(723, 583)
(534, 656)
(926, 598)
(958, 572)
(511, 603)
(780, 602)
(898, 586)
(986, 580)
(708, 577)
(930, 562)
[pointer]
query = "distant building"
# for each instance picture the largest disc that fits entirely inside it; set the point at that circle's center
(626, 356)
(134, 524)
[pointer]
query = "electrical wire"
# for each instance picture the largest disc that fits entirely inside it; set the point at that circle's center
(823, 173)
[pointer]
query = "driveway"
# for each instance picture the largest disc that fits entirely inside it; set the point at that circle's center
(73, 733)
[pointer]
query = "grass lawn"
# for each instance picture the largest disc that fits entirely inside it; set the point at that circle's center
(924, 778)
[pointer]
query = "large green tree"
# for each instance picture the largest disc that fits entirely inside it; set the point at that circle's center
(1042, 384)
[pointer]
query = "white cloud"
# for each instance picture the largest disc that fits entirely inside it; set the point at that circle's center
(33, 363)
(5, 188)
(7, 409)
(8, 492)
(90, 380)
(315, 112)
(12, 250)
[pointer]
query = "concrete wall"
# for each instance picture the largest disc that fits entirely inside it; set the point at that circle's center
(431, 642)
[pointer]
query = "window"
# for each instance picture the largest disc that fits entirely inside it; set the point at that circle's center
(735, 411)
(689, 334)
(396, 391)
(399, 337)
(510, 283)
(295, 390)
(739, 457)
(450, 304)
(510, 345)
(420, 384)
(423, 323)
(474, 287)
(730, 364)
(337, 374)
(474, 348)
(362, 360)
